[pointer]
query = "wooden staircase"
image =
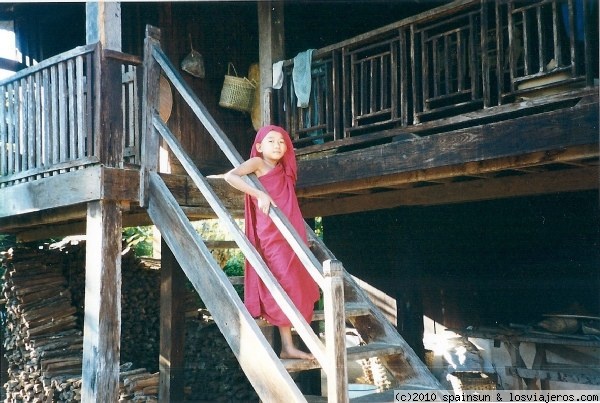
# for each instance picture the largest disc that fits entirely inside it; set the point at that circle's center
(344, 300)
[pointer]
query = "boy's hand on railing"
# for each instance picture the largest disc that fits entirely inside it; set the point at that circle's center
(264, 202)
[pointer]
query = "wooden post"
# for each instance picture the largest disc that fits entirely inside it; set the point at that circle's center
(102, 323)
(103, 26)
(150, 137)
(172, 327)
(335, 331)
(270, 47)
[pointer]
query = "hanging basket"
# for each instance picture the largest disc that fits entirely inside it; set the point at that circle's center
(237, 92)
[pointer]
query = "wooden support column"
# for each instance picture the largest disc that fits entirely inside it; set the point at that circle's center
(335, 331)
(103, 23)
(271, 49)
(102, 322)
(172, 327)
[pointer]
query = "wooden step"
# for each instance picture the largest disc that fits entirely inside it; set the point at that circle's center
(353, 310)
(354, 354)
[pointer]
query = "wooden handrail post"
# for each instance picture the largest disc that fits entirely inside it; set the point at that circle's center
(335, 331)
(150, 137)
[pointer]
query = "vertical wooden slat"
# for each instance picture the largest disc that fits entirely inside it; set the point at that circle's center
(72, 118)
(435, 68)
(526, 58)
(54, 114)
(4, 144)
(362, 88)
(10, 90)
(131, 117)
(541, 39)
(555, 34)
(62, 114)
(485, 63)
(460, 67)
(416, 79)
(18, 119)
(353, 91)
(572, 34)
(30, 119)
(337, 96)
(424, 73)
(511, 46)
(500, 52)
(80, 107)
(38, 128)
(372, 80)
(89, 91)
(400, 64)
(47, 117)
(474, 70)
(384, 82)
(447, 55)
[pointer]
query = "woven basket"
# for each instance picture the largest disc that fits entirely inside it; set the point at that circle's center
(237, 92)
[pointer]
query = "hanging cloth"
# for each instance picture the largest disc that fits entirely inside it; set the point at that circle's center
(302, 78)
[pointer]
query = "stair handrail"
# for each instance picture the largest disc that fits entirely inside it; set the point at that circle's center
(331, 357)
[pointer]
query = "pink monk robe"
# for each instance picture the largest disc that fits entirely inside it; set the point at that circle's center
(279, 182)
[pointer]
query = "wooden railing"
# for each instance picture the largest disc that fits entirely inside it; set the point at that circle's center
(51, 120)
(466, 56)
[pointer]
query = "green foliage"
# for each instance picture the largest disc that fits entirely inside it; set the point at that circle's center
(235, 265)
(139, 239)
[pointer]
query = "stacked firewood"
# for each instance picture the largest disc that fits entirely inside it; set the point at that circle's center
(211, 369)
(44, 296)
(41, 337)
(140, 302)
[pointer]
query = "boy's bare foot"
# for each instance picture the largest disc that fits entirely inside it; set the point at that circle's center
(295, 353)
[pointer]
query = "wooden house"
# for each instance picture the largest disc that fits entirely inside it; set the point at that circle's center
(449, 148)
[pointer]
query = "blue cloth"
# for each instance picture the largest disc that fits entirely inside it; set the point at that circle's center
(302, 78)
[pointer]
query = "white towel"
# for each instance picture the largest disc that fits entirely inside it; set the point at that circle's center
(278, 74)
(302, 78)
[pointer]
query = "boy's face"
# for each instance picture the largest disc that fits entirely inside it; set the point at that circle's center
(273, 146)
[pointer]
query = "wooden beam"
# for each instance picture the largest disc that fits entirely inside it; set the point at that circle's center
(70, 188)
(102, 323)
(172, 327)
(568, 180)
(443, 173)
(60, 201)
(271, 46)
(545, 135)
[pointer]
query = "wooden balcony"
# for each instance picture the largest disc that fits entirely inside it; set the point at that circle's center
(66, 142)
(459, 65)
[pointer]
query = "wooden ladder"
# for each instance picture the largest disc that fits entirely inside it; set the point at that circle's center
(269, 375)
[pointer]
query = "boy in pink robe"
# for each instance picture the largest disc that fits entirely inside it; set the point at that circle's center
(273, 161)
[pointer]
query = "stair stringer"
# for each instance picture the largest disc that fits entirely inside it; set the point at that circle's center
(261, 365)
(406, 367)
